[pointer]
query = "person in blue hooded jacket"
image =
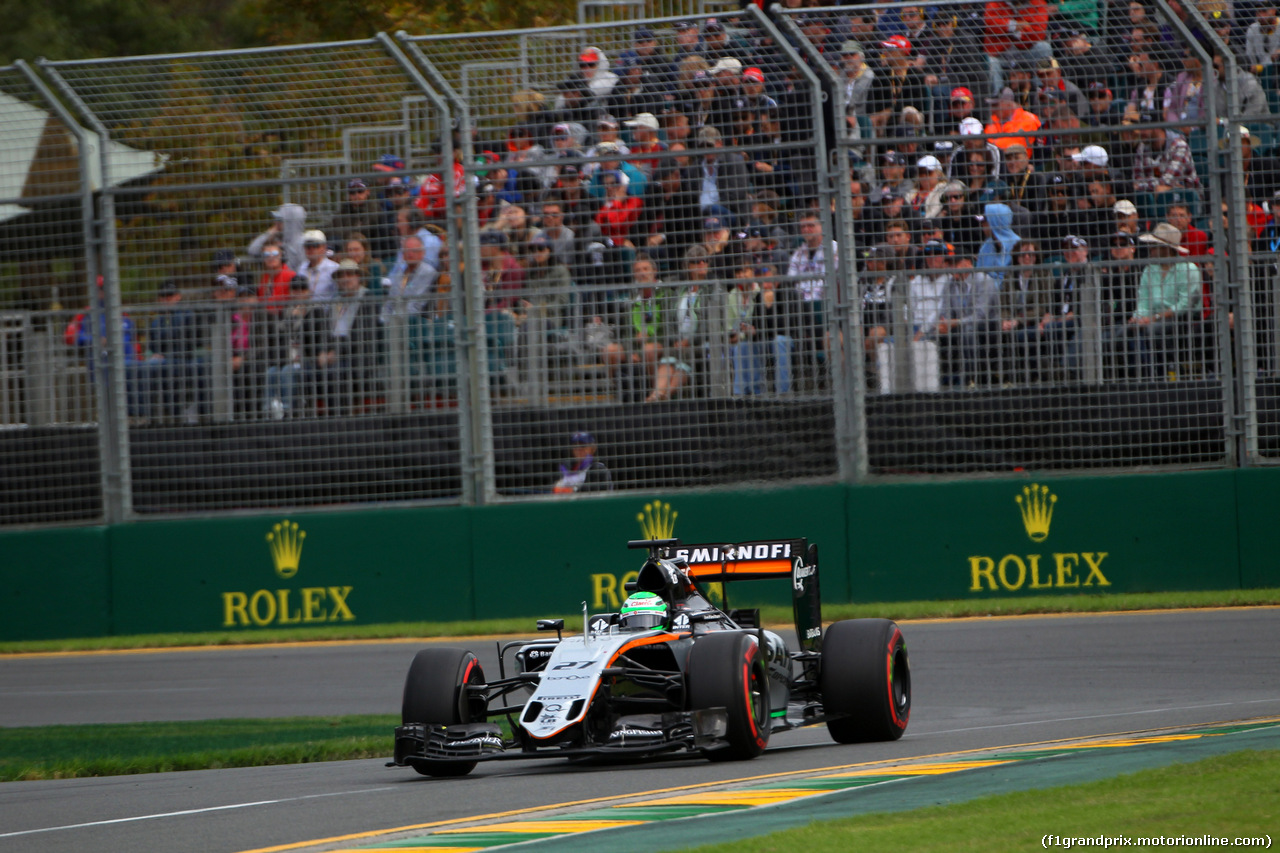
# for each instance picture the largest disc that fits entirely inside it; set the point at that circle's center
(996, 253)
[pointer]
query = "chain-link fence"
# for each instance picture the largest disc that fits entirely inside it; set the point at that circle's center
(639, 189)
(638, 253)
(1028, 208)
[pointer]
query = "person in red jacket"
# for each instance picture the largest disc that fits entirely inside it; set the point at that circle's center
(620, 211)
(273, 286)
(1014, 29)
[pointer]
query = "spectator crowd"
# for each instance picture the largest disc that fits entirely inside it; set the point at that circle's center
(1029, 189)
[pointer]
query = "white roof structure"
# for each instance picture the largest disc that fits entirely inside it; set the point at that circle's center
(39, 157)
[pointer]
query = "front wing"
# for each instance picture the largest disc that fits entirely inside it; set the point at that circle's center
(634, 735)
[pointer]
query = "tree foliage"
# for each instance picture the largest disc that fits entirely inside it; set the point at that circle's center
(82, 29)
(329, 20)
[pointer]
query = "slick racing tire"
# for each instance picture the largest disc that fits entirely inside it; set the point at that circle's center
(433, 693)
(728, 671)
(866, 680)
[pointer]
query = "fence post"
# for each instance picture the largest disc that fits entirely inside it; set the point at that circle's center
(848, 378)
(467, 294)
(1234, 293)
(107, 357)
(1226, 292)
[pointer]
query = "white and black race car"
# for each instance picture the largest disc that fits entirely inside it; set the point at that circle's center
(671, 672)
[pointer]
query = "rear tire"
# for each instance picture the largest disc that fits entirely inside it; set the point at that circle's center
(433, 693)
(866, 678)
(727, 671)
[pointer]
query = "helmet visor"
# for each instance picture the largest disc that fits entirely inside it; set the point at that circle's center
(644, 619)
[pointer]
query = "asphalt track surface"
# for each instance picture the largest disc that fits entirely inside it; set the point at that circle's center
(977, 684)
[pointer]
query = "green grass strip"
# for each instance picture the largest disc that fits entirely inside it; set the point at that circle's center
(771, 614)
(65, 752)
(1227, 796)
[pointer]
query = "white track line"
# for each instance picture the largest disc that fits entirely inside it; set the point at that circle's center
(1100, 716)
(189, 812)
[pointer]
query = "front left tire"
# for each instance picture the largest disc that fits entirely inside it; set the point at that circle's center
(727, 671)
(435, 692)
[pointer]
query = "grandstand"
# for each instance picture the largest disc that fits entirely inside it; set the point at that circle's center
(771, 246)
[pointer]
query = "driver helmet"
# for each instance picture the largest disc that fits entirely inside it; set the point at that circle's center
(643, 611)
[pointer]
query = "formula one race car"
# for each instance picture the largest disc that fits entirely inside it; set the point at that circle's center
(668, 673)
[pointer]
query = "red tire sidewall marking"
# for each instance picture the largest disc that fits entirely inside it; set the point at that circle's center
(893, 706)
(747, 665)
(473, 664)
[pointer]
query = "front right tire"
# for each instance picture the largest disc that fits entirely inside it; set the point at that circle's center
(865, 681)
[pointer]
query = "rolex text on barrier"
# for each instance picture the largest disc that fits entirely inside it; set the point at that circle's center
(1056, 570)
(282, 607)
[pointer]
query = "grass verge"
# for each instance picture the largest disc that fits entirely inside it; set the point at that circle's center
(66, 752)
(1228, 796)
(773, 615)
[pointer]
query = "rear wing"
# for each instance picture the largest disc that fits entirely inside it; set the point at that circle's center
(791, 559)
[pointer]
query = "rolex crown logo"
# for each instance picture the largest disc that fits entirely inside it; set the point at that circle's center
(657, 521)
(285, 541)
(1037, 510)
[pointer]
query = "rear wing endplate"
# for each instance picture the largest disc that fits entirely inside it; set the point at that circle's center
(792, 559)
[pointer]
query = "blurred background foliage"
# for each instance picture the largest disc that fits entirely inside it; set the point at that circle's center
(84, 29)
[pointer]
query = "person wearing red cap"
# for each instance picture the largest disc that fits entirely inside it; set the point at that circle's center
(753, 96)
(962, 104)
(594, 66)
(897, 84)
(1014, 31)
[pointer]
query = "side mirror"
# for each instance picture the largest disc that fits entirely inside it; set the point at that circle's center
(550, 624)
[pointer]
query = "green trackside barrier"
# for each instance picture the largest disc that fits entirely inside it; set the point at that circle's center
(1258, 501)
(55, 584)
(1059, 535)
(549, 557)
(383, 565)
(884, 542)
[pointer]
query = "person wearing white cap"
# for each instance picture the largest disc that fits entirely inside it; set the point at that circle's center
(1167, 293)
(926, 198)
(726, 77)
(1126, 217)
(971, 130)
(317, 267)
(345, 362)
(644, 140)
(1092, 156)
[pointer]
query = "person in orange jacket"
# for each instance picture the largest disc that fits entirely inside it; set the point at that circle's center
(1008, 117)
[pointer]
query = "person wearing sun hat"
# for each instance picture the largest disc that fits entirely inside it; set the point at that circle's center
(1167, 292)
